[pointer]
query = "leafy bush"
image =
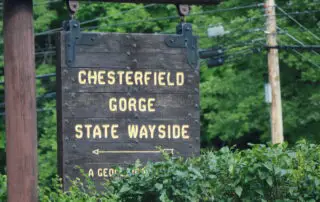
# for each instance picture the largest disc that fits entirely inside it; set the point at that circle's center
(77, 193)
(3, 187)
(258, 174)
(263, 173)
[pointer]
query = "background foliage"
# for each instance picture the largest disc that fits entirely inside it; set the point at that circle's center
(232, 96)
(263, 173)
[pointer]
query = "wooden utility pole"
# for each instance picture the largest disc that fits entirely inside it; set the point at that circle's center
(274, 73)
(20, 101)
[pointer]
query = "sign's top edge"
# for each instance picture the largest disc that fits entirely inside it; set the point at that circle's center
(120, 33)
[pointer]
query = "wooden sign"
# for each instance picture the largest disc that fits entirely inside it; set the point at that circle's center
(121, 97)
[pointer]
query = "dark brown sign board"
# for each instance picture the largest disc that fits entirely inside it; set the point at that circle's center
(120, 98)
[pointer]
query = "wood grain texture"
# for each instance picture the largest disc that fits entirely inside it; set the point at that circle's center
(167, 106)
(88, 104)
(70, 81)
(274, 74)
(122, 131)
(74, 151)
(120, 42)
(20, 101)
(136, 51)
(59, 100)
(133, 61)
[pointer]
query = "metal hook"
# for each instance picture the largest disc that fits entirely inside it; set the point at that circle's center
(73, 6)
(183, 11)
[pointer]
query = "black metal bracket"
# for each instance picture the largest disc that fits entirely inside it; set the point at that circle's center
(73, 33)
(185, 39)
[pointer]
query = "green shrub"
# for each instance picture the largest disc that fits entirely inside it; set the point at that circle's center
(263, 173)
(3, 187)
(77, 193)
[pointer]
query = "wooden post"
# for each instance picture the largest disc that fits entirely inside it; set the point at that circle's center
(20, 101)
(274, 74)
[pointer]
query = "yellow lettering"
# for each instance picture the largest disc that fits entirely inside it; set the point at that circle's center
(111, 77)
(162, 132)
(151, 102)
(114, 130)
(101, 77)
(105, 172)
(169, 131)
(168, 78)
(180, 78)
(105, 128)
(155, 78)
(120, 74)
(152, 128)
(91, 173)
(143, 132)
(132, 104)
(122, 104)
(185, 132)
(138, 78)
(129, 78)
(97, 132)
(112, 104)
(133, 131)
(79, 133)
(175, 131)
(100, 174)
(88, 127)
(80, 77)
(111, 172)
(142, 105)
(147, 77)
(161, 78)
(92, 77)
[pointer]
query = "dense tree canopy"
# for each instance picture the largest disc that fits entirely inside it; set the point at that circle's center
(232, 95)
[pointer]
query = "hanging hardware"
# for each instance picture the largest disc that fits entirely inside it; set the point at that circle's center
(72, 28)
(185, 39)
(73, 6)
(183, 10)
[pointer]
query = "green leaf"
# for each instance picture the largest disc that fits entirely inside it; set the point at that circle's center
(238, 191)
(260, 192)
(124, 188)
(268, 166)
(2, 145)
(164, 197)
(158, 186)
(270, 181)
